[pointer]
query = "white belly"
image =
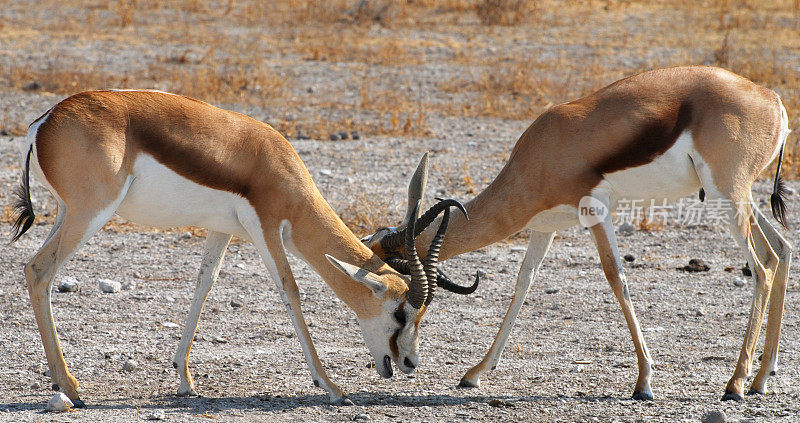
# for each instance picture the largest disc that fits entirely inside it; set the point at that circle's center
(669, 177)
(160, 197)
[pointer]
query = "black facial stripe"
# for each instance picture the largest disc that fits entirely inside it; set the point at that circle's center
(400, 316)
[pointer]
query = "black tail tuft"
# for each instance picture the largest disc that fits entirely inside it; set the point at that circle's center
(776, 200)
(23, 207)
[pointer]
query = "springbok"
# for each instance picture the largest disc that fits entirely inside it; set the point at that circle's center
(161, 159)
(661, 134)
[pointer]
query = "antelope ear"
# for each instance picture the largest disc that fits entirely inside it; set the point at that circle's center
(416, 188)
(360, 275)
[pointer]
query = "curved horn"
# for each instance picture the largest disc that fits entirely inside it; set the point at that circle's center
(432, 258)
(392, 241)
(418, 288)
(400, 265)
(445, 282)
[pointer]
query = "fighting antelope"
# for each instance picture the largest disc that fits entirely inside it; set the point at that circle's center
(658, 135)
(161, 159)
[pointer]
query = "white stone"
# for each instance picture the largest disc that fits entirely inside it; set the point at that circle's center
(169, 325)
(157, 415)
(109, 287)
(59, 403)
(68, 284)
(129, 366)
(626, 228)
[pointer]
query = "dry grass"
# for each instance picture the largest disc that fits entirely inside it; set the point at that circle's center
(508, 59)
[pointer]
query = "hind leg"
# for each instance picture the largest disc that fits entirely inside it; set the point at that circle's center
(764, 264)
(769, 362)
(216, 243)
(76, 227)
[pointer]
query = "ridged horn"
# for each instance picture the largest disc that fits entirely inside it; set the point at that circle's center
(392, 241)
(432, 258)
(418, 287)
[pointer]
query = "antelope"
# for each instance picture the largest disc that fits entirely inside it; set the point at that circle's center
(165, 160)
(661, 134)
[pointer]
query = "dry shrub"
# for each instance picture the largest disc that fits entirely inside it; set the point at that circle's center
(504, 12)
(366, 214)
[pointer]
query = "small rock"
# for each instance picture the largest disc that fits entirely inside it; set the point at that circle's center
(343, 135)
(695, 265)
(186, 235)
(700, 313)
(4, 133)
(59, 403)
(170, 299)
(236, 303)
(334, 137)
(325, 172)
(738, 282)
(629, 258)
(362, 416)
(36, 386)
(496, 402)
(129, 365)
(127, 286)
(109, 287)
(746, 270)
(68, 284)
(157, 415)
(551, 290)
(219, 340)
(355, 135)
(33, 86)
(518, 249)
(626, 229)
(169, 325)
(716, 416)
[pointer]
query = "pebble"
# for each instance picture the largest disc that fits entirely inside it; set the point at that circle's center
(59, 403)
(219, 340)
(334, 137)
(746, 270)
(343, 135)
(186, 235)
(355, 135)
(551, 290)
(629, 258)
(236, 303)
(157, 415)
(700, 313)
(362, 416)
(169, 325)
(695, 265)
(716, 416)
(68, 284)
(738, 282)
(518, 249)
(325, 172)
(109, 287)
(626, 229)
(127, 286)
(129, 365)
(36, 386)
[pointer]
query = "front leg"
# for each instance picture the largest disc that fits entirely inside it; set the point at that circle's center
(274, 257)
(537, 249)
(216, 244)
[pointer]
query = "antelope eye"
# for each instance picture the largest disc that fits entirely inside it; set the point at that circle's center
(400, 317)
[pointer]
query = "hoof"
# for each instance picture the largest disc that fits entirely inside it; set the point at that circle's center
(343, 401)
(468, 383)
(755, 392)
(189, 393)
(77, 403)
(732, 396)
(643, 396)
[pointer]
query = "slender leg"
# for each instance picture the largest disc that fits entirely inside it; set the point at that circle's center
(72, 230)
(537, 249)
(216, 243)
(764, 263)
(769, 362)
(606, 241)
(273, 253)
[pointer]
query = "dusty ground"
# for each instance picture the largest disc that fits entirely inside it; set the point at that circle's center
(247, 362)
